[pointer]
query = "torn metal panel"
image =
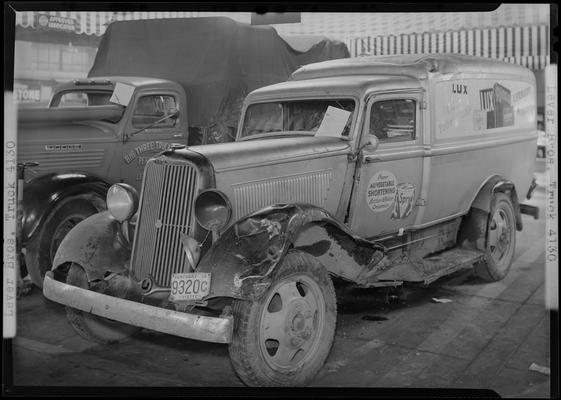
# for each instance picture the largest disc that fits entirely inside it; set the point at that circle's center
(243, 260)
(339, 253)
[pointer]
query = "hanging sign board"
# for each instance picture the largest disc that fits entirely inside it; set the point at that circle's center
(54, 22)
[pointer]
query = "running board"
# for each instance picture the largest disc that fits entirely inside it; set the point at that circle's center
(447, 262)
(428, 269)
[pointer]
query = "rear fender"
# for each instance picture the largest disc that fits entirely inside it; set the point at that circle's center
(42, 195)
(244, 259)
(97, 245)
(486, 195)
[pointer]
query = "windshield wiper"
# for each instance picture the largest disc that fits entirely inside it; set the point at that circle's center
(173, 115)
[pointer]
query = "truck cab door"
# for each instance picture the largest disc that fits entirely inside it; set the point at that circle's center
(389, 175)
(144, 136)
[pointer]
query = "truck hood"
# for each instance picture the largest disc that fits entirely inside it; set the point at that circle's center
(257, 153)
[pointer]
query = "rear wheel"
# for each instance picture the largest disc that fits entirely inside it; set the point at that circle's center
(285, 338)
(41, 250)
(501, 241)
(92, 327)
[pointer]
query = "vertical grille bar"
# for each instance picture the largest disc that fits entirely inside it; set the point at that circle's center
(144, 246)
(169, 191)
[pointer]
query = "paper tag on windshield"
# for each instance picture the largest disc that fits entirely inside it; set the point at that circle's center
(122, 94)
(333, 122)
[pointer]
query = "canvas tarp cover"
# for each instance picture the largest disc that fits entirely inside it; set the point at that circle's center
(217, 60)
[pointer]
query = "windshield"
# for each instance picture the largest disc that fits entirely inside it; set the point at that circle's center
(294, 116)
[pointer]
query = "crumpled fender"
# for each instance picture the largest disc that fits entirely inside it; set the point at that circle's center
(96, 244)
(243, 260)
(486, 194)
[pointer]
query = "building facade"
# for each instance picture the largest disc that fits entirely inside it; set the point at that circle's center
(52, 47)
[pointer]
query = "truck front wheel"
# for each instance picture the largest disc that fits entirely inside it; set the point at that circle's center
(92, 327)
(285, 338)
(41, 250)
(501, 241)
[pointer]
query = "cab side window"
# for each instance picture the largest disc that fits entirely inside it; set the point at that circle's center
(393, 120)
(152, 108)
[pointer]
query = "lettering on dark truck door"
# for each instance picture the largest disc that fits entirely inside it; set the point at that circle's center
(148, 133)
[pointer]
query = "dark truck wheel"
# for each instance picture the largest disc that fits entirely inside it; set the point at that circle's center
(41, 250)
(501, 241)
(284, 339)
(92, 327)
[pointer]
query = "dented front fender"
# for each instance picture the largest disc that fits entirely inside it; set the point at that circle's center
(97, 245)
(244, 259)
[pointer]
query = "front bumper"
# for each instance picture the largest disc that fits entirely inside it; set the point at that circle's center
(191, 326)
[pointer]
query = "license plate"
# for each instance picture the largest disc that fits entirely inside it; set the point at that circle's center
(189, 286)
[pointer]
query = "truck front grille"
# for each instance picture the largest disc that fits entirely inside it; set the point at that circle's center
(166, 209)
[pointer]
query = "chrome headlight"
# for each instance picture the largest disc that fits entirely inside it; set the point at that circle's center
(122, 201)
(212, 210)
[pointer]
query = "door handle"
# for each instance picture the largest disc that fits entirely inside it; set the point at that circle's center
(369, 159)
(179, 135)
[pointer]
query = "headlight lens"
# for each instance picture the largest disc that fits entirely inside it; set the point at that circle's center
(122, 201)
(212, 210)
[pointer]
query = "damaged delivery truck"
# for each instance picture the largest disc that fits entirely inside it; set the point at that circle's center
(380, 172)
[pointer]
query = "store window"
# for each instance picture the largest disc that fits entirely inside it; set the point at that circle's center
(47, 57)
(77, 58)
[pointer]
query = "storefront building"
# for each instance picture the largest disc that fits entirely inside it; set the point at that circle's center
(52, 47)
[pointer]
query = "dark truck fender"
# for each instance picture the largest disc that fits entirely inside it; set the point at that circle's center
(43, 194)
(97, 245)
(244, 259)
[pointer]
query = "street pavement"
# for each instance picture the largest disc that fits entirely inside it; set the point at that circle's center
(486, 336)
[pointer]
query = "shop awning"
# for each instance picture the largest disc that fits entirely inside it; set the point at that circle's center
(524, 45)
(88, 22)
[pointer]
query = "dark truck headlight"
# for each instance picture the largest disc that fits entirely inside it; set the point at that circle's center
(122, 201)
(212, 210)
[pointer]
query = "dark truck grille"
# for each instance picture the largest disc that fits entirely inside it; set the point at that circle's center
(166, 209)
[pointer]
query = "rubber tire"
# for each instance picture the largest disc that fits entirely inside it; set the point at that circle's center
(245, 352)
(92, 327)
(489, 270)
(39, 257)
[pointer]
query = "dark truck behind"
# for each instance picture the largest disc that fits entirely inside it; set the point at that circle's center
(216, 60)
(153, 83)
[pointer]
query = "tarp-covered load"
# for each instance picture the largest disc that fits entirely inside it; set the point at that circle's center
(217, 60)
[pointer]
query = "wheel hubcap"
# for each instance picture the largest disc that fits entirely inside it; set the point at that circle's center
(291, 322)
(500, 232)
